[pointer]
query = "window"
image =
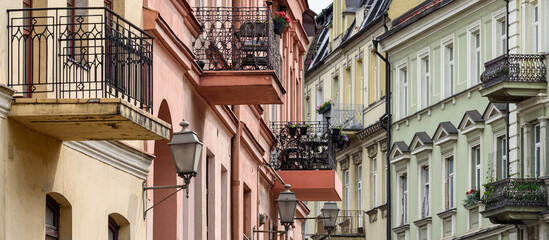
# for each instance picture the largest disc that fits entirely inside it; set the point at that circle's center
(347, 190)
(537, 150)
(449, 71)
(70, 29)
(349, 90)
(376, 78)
(425, 78)
(403, 199)
(336, 88)
(536, 29)
(113, 229)
(374, 182)
(476, 167)
(475, 58)
(359, 187)
(318, 102)
(502, 37)
(501, 149)
(403, 92)
(361, 82)
(449, 185)
(52, 219)
(425, 182)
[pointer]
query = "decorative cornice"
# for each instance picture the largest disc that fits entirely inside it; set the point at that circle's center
(401, 228)
(447, 213)
(116, 154)
(6, 94)
(423, 222)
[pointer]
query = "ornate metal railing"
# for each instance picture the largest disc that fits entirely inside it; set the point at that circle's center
(237, 38)
(347, 116)
(514, 68)
(309, 148)
(515, 192)
(79, 53)
(349, 222)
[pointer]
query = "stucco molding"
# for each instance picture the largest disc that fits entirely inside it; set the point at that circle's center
(6, 94)
(115, 154)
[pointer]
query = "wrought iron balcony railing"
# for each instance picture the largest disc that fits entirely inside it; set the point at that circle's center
(514, 68)
(237, 38)
(347, 116)
(79, 53)
(349, 222)
(515, 192)
(306, 148)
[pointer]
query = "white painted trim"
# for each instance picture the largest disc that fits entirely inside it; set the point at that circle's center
(6, 94)
(471, 29)
(115, 154)
(497, 17)
(423, 54)
(444, 43)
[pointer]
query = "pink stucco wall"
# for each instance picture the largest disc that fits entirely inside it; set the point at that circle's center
(236, 141)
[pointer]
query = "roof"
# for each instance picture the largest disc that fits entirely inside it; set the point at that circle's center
(320, 46)
(402, 147)
(413, 15)
(424, 138)
(474, 115)
(448, 127)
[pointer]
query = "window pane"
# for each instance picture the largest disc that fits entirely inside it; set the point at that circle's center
(50, 216)
(111, 234)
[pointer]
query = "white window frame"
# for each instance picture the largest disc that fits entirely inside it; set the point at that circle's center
(536, 15)
(474, 58)
(404, 206)
(402, 210)
(425, 192)
(403, 87)
(450, 178)
(374, 182)
(423, 75)
(501, 145)
(499, 47)
(476, 167)
(359, 187)
(347, 190)
(537, 150)
(349, 71)
(376, 77)
(319, 97)
(361, 63)
(448, 67)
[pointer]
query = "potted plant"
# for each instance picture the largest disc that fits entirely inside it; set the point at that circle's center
(342, 140)
(292, 128)
(280, 22)
(303, 129)
(471, 198)
(336, 131)
(325, 108)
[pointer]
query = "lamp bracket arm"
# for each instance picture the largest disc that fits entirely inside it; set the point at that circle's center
(181, 187)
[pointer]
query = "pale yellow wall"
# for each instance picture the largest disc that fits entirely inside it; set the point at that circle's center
(399, 7)
(41, 165)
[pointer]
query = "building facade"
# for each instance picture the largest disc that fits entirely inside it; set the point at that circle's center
(86, 124)
(454, 172)
(341, 66)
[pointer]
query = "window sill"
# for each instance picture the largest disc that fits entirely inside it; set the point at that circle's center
(423, 222)
(401, 228)
(447, 213)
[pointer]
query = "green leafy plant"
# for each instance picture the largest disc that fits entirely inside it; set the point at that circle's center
(489, 188)
(471, 197)
(322, 107)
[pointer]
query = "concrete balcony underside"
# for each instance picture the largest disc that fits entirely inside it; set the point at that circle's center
(312, 185)
(513, 215)
(243, 87)
(88, 119)
(508, 91)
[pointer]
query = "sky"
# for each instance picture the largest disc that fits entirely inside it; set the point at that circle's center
(318, 5)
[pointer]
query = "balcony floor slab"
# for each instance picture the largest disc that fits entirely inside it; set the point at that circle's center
(312, 185)
(512, 215)
(246, 87)
(88, 119)
(513, 91)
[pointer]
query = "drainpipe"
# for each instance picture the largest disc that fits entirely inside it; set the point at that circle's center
(387, 115)
(236, 185)
(508, 109)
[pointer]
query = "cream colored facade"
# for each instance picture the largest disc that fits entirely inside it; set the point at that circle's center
(351, 74)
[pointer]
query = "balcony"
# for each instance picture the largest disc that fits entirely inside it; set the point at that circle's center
(240, 55)
(305, 158)
(514, 77)
(82, 74)
(514, 200)
(349, 224)
(347, 116)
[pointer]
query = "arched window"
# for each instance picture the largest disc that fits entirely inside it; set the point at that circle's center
(52, 218)
(113, 229)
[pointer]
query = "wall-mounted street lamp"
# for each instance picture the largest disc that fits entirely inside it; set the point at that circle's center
(287, 203)
(329, 214)
(186, 152)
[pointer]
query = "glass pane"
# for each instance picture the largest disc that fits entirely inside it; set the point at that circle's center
(50, 238)
(111, 234)
(50, 216)
(537, 134)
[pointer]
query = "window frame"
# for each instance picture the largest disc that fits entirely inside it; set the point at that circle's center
(347, 195)
(374, 182)
(52, 230)
(403, 88)
(403, 198)
(475, 53)
(115, 228)
(450, 176)
(424, 75)
(359, 186)
(476, 166)
(448, 66)
(425, 192)
(537, 149)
